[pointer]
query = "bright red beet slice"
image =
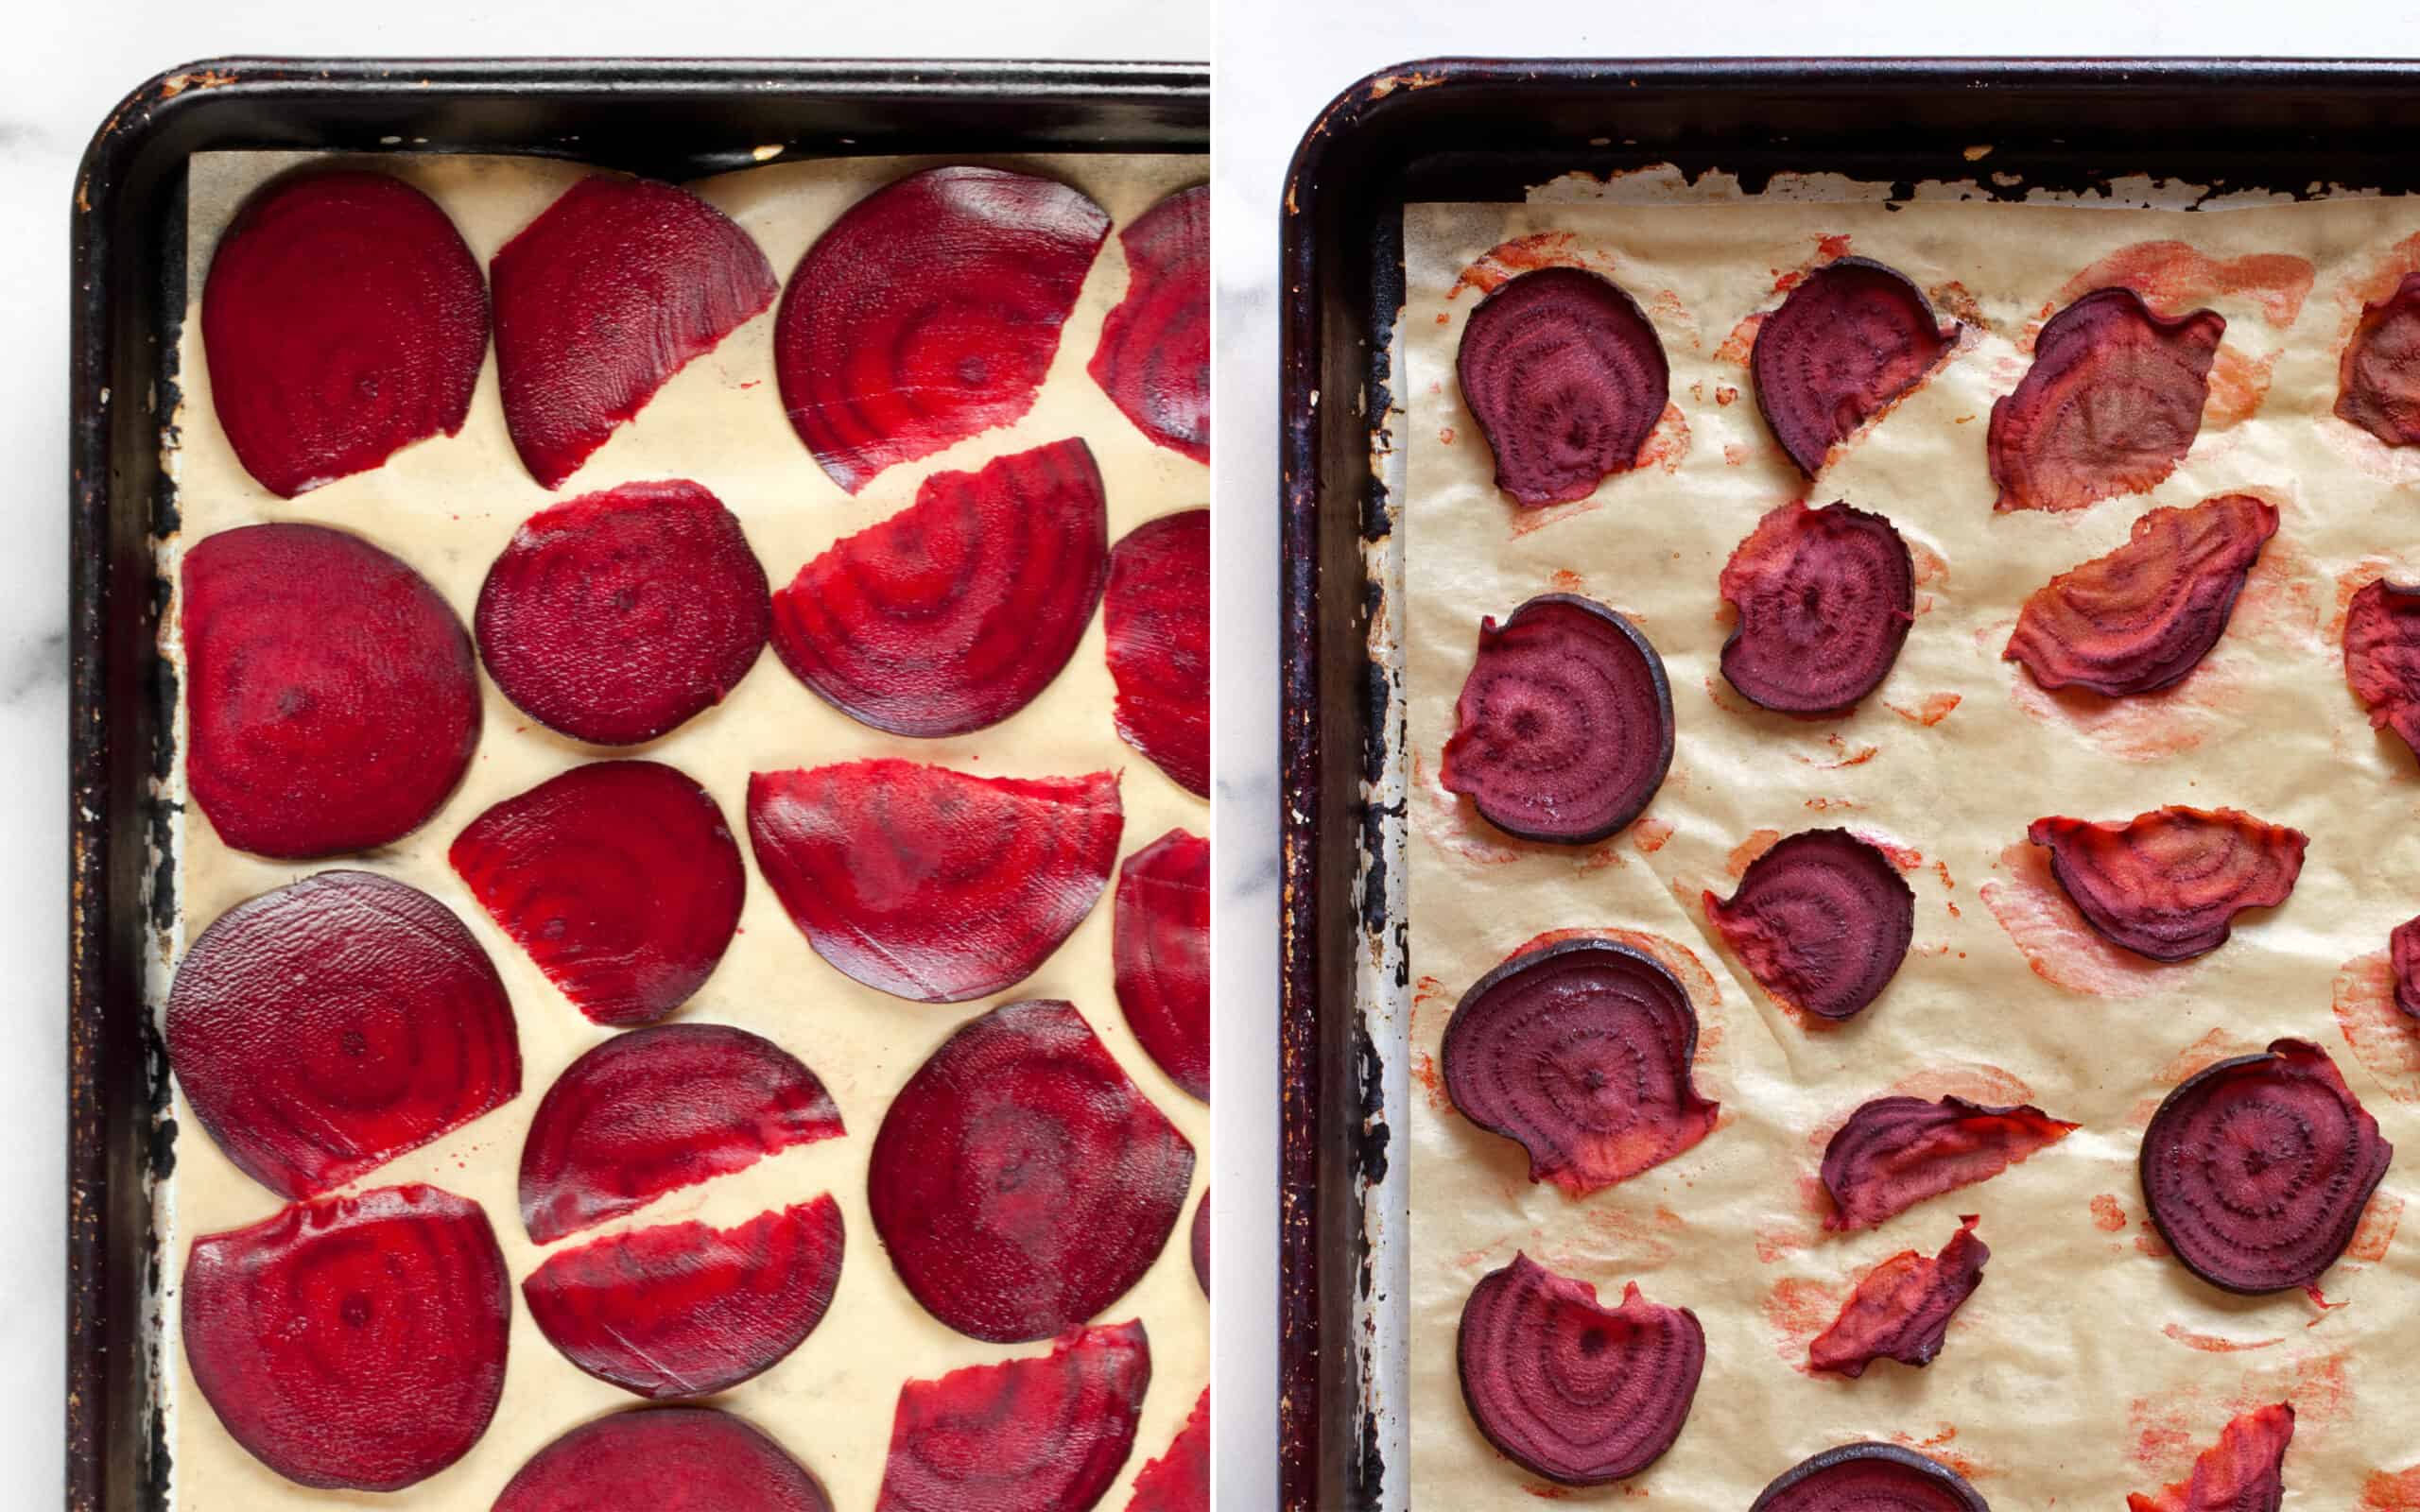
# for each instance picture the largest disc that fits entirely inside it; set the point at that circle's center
(2379, 378)
(1895, 1152)
(955, 612)
(1020, 1180)
(1826, 598)
(1566, 379)
(1162, 947)
(1154, 360)
(1036, 1435)
(2382, 656)
(619, 878)
(2244, 1471)
(1179, 1481)
(343, 319)
(2403, 951)
(332, 700)
(929, 313)
(2111, 404)
(1870, 1478)
(657, 1109)
(1850, 338)
(1202, 1242)
(664, 1459)
(1157, 615)
(354, 1344)
(1901, 1309)
(2167, 885)
(1823, 921)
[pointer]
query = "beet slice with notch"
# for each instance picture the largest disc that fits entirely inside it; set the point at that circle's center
(1566, 379)
(1823, 921)
(664, 1459)
(2382, 656)
(2378, 377)
(1161, 944)
(2111, 404)
(2167, 885)
(1042, 1433)
(1870, 1478)
(1852, 338)
(1895, 1152)
(1901, 1309)
(1825, 599)
(1157, 617)
(2403, 954)
(1179, 1481)
(1154, 360)
(2244, 1471)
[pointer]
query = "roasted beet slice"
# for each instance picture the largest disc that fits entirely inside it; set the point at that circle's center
(617, 285)
(1202, 1242)
(1901, 1309)
(1020, 1180)
(2167, 885)
(1161, 947)
(1154, 360)
(2244, 1471)
(332, 700)
(928, 313)
(2382, 656)
(619, 878)
(1826, 598)
(1870, 1478)
(1023, 1436)
(657, 1109)
(343, 319)
(2403, 951)
(354, 1344)
(664, 1459)
(1850, 338)
(1823, 921)
(1179, 1481)
(1895, 1152)
(2111, 404)
(2379, 378)
(1157, 617)
(1566, 379)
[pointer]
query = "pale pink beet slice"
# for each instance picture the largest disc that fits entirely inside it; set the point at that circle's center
(2244, 1471)
(1901, 1309)
(2382, 656)
(1870, 1478)
(1851, 338)
(2167, 885)
(2378, 376)
(1048, 1432)
(2111, 404)
(1157, 615)
(1823, 920)
(1154, 360)
(1566, 379)
(1825, 599)
(1895, 1152)
(1179, 1481)
(664, 1459)
(1161, 943)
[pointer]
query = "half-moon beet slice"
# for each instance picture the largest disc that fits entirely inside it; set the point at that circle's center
(354, 1344)
(1850, 338)
(2378, 377)
(323, 1029)
(1020, 1180)
(1578, 1392)
(617, 285)
(1202, 1242)
(2403, 955)
(1895, 1152)
(1161, 947)
(1566, 379)
(1825, 599)
(1157, 617)
(955, 612)
(1023, 1436)
(1154, 360)
(2167, 885)
(928, 313)
(2111, 404)
(2244, 1471)
(1179, 1481)
(1870, 1478)
(1579, 1052)
(332, 699)
(2382, 656)
(1901, 1309)
(657, 1109)
(1563, 729)
(664, 1459)
(1823, 921)
(343, 319)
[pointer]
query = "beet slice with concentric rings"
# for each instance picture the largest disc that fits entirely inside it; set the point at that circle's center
(1048, 1432)
(323, 1029)
(1157, 617)
(1154, 360)
(1579, 1052)
(1021, 1182)
(1901, 1309)
(664, 1459)
(1870, 1478)
(1825, 599)
(2378, 380)
(2382, 656)
(1565, 1387)
(1566, 379)
(617, 285)
(1179, 1481)
(1160, 945)
(1852, 338)
(2403, 955)
(657, 1109)
(929, 313)
(343, 318)
(1202, 1242)
(1823, 921)
(352, 1344)
(2244, 1471)
(1895, 1152)
(2111, 404)
(331, 698)
(957, 612)
(2167, 885)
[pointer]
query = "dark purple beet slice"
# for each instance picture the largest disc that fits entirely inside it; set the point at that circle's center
(1020, 1180)
(1566, 379)
(332, 699)
(1202, 1242)
(929, 313)
(1826, 598)
(1895, 1152)
(1823, 921)
(343, 319)
(2111, 404)
(2244, 1471)
(1154, 360)
(2167, 885)
(1179, 1481)
(354, 1344)
(1870, 1478)
(664, 1459)
(2382, 656)
(1161, 947)
(2378, 377)
(1901, 1309)
(1850, 338)
(1157, 617)
(1045, 1434)
(2403, 951)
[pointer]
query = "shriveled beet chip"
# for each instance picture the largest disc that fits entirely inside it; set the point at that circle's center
(2382, 656)
(1023, 1436)
(2378, 377)
(1179, 1481)
(352, 1344)
(1850, 338)
(1895, 1152)
(1823, 921)
(657, 1109)
(928, 313)
(614, 617)
(2167, 885)
(2111, 404)
(1870, 1478)
(1572, 1391)
(1579, 1052)
(1162, 946)
(2244, 1471)
(1020, 1180)
(1825, 599)
(1157, 617)
(1202, 1242)
(1154, 360)
(343, 319)
(323, 1029)
(664, 1459)
(332, 700)
(1566, 379)
(955, 612)
(2403, 951)
(617, 285)
(619, 878)
(1901, 1309)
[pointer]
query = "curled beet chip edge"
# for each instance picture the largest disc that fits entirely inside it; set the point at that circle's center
(2167, 885)
(1896, 1152)
(2244, 1471)
(2382, 656)
(2378, 377)
(1901, 1309)
(1823, 921)
(1848, 341)
(2111, 404)
(1567, 380)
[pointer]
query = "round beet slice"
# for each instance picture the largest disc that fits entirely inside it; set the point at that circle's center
(1161, 947)
(1825, 599)
(1895, 1152)
(1870, 1478)
(1901, 1309)
(354, 1344)
(2111, 404)
(1020, 1180)
(1823, 921)
(343, 318)
(1578, 1393)
(1579, 1052)
(1566, 379)
(332, 700)
(664, 1459)
(2378, 377)
(2167, 885)
(1154, 360)
(657, 1109)
(1021, 1435)
(1157, 615)
(1851, 337)
(929, 313)
(931, 884)
(619, 878)
(955, 612)
(2382, 656)
(2403, 953)
(1179, 1481)
(2244, 1471)
(1202, 1242)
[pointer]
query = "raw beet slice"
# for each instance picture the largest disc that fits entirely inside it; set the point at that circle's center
(1179, 1481)
(332, 699)
(1157, 617)
(1020, 1182)
(1901, 1309)
(1161, 947)
(687, 1310)
(1566, 379)
(615, 617)
(2142, 617)
(2378, 377)
(664, 1459)
(1895, 1152)
(931, 884)
(2111, 404)
(1575, 1391)
(2167, 885)
(354, 1344)
(619, 878)
(1579, 1052)
(929, 313)
(657, 1109)
(617, 285)
(1850, 338)
(1870, 1478)
(2403, 951)
(1825, 599)
(1045, 1434)
(2382, 656)
(955, 612)
(1563, 729)
(1202, 1242)
(343, 319)
(2244, 1471)
(1823, 921)
(1154, 360)
(323, 1029)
